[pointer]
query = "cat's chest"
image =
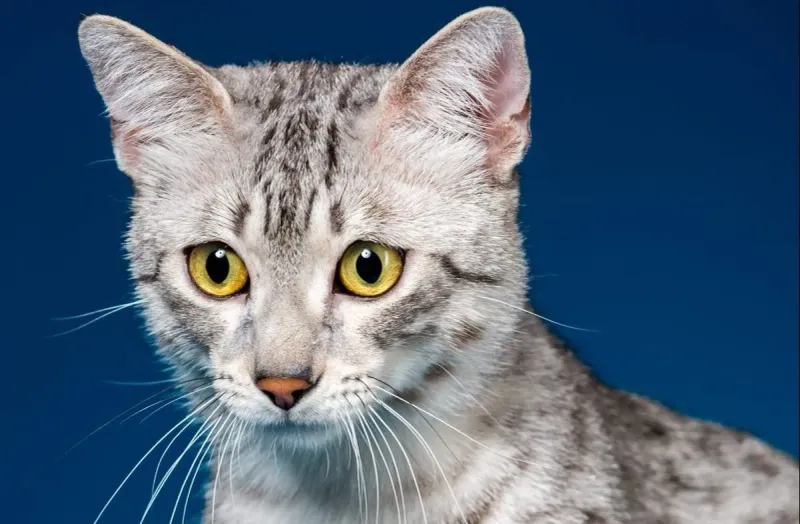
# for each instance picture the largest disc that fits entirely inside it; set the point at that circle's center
(245, 510)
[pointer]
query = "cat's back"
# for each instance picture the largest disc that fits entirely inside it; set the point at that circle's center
(682, 470)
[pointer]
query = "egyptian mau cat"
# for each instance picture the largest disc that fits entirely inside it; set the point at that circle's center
(328, 256)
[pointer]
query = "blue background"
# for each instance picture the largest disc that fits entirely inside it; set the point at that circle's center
(661, 189)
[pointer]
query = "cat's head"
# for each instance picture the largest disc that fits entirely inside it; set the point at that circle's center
(348, 228)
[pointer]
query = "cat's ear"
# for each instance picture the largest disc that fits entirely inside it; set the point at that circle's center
(471, 80)
(161, 103)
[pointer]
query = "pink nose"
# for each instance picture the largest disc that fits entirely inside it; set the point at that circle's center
(283, 392)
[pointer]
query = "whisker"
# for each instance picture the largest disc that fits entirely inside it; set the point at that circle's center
(404, 518)
(365, 424)
(102, 160)
(421, 414)
(197, 471)
(360, 479)
(472, 395)
(164, 403)
(239, 446)
(239, 430)
(171, 442)
(114, 419)
(90, 322)
(374, 467)
(340, 423)
(183, 379)
(98, 311)
(197, 458)
(523, 310)
(408, 461)
(117, 417)
(327, 462)
(208, 401)
(174, 401)
(475, 441)
(203, 428)
(129, 383)
(219, 466)
(149, 406)
(424, 443)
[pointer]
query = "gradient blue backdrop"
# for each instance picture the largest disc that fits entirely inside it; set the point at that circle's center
(661, 190)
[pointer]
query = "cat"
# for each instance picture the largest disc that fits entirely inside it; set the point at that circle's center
(328, 256)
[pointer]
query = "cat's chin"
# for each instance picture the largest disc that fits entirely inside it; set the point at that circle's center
(302, 434)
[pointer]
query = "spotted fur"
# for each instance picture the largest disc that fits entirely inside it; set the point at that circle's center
(288, 164)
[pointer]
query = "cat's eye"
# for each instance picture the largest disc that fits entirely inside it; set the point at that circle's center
(368, 269)
(217, 270)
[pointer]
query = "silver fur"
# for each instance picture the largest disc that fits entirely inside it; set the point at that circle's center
(289, 163)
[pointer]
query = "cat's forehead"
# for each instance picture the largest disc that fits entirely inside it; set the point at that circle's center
(273, 87)
(296, 126)
(294, 116)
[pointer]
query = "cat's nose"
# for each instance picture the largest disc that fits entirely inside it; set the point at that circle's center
(284, 392)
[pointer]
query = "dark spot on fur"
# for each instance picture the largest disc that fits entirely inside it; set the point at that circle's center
(331, 149)
(309, 209)
(311, 122)
(513, 418)
(147, 278)
(787, 517)
(675, 481)
(761, 464)
(305, 76)
(187, 313)
(375, 212)
(477, 513)
(269, 135)
(467, 333)
(288, 210)
(277, 96)
(520, 359)
(579, 429)
(239, 216)
(266, 154)
(593, 518)
(653, 429)
(268, 213)
(394, 323)
(293, 132)
(366, 101)
(337, 217)
(500, 182)
(427, 331)
(412, 395)
(458, 274)
(152, 272)
(436, 371)
(343, 101)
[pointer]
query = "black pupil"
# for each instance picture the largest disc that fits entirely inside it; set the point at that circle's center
(369, 266)
(217, 266)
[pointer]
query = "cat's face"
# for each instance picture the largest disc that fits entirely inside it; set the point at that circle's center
(350, 228)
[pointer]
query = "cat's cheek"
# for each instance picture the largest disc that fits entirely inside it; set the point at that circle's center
(402, 368)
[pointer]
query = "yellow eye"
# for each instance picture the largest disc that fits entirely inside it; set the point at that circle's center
(368, 269)
(217, 270)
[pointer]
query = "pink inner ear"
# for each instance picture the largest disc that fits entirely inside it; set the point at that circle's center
(507, 129)
(507, 86)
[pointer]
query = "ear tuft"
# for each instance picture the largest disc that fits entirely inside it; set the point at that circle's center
(471, 78)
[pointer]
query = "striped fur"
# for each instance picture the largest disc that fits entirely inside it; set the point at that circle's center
(289, 163)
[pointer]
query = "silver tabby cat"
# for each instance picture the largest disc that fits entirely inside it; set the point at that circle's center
(328, 256)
